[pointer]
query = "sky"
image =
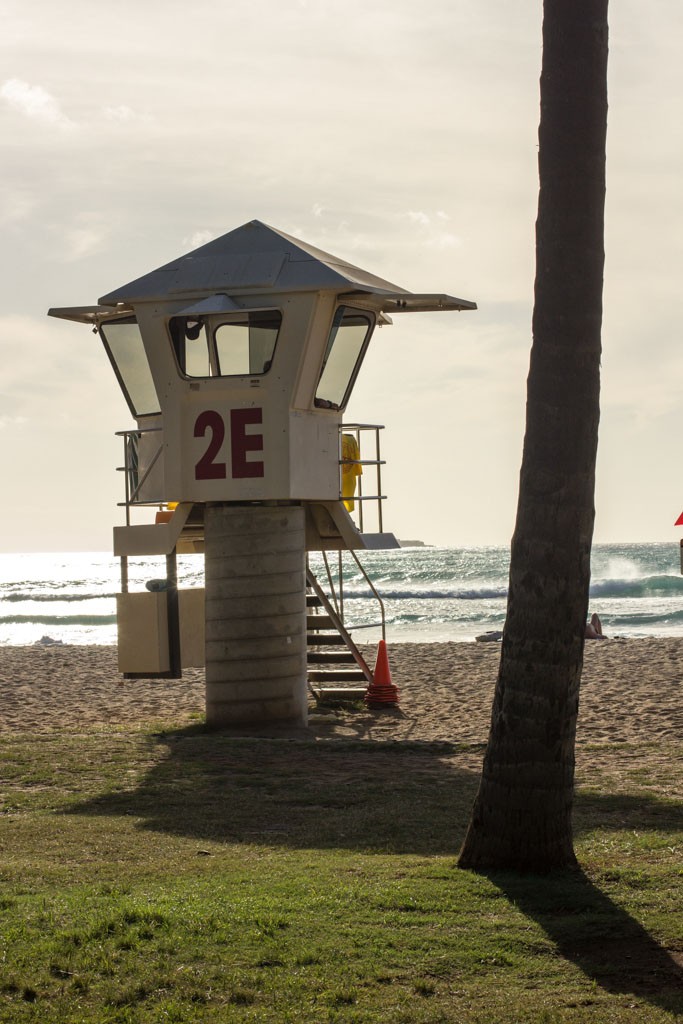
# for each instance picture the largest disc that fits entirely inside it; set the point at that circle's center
(399, 136)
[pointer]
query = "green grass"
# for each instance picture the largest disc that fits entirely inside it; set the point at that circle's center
(188, 876)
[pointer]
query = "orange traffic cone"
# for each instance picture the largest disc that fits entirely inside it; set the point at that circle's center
(381, 690)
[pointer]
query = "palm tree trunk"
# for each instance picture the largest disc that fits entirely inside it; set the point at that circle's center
(522, 814)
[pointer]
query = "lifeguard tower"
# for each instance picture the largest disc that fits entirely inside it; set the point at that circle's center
(237, 362)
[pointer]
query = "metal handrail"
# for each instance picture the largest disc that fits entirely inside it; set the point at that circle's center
(337, 598)
(338, 604)
(375, 593)
(338, 622)
(130, 438)
(356, 429)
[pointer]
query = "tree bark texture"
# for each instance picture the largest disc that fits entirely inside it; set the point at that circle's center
(522, 814)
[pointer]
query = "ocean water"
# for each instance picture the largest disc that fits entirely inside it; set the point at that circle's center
(429, 594)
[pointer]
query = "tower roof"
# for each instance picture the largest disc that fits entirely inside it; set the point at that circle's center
(256, 258)
(259, 258)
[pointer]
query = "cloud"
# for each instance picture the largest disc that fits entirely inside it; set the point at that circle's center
(198, 238)
(16, 205)
(11, 421)
(121, 113)
(34, 102)
(418, 217)
(125, 115)
(87, 236)
(431, 229)
(443, 240)
(10, 402)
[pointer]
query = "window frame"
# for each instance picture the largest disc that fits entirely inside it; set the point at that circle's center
(210, 325)
(371, 319)
(128, 320)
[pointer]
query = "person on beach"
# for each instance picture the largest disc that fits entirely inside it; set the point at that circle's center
(594, 629)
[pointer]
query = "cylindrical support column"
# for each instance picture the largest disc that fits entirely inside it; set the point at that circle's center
(255, 615)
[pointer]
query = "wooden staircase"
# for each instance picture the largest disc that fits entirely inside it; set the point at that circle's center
(336, 668)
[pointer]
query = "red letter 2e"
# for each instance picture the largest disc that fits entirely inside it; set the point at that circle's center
(208, 467)
(241, 442)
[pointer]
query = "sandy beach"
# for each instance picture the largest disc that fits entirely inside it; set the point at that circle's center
(632, 691)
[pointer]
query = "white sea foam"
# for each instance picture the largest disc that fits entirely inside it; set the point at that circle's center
(430, 594)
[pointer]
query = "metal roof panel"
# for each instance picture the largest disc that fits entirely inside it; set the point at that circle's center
(254, 257)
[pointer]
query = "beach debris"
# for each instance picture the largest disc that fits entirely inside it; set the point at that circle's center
(492, 634)
(47, 641)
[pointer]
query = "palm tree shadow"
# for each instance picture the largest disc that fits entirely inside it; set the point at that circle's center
(395, 797)
(598, 936)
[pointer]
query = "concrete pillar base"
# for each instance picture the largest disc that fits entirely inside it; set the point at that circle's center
(255, 616)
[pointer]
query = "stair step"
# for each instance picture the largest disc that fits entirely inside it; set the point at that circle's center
(331, 658)
(325, 640)
(313, 601)
(319, 622)
(341, 675)
(338, 693)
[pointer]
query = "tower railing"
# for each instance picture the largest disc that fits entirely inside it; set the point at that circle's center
(135, 476)
(365, 435)
(142, 453)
